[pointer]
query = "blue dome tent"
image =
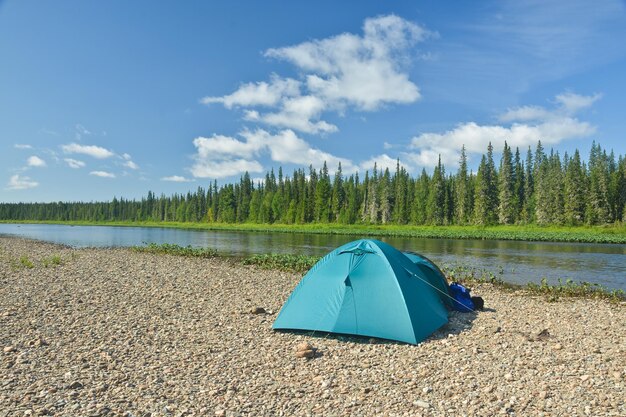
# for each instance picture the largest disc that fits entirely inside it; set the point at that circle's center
(434, 275)
(365, 288)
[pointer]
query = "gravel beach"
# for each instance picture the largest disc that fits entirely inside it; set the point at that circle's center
(114, 332)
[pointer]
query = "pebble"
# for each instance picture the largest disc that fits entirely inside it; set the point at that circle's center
(304, 346)
(421, 404)
(75, 385)
(146, 335)
(305, 354)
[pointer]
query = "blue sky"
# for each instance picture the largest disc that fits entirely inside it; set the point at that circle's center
(103, 99)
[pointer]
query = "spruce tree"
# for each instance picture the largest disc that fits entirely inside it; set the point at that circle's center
(492, 187)
(528, 206)
(338, 199)
(575, 193)
(598, 211)
(621, 190)
(420, 199)
(481, 194)
(542, 191)
(401, 195)
(506, 209)
(373, 203)
(519, 192)
(322, 196)
(309, 198)
(437, 196)
(462, 192)
(385, 194)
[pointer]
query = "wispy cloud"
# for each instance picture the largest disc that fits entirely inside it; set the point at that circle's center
(363, 72)
(22, 146)
(572, 103)
(49, 132)
(89, 150)
(35, 161)
(102, 174)
(514, 45)
(18, 182)
(74, 163)
(176, 178)
(131, 165)
(80, 131)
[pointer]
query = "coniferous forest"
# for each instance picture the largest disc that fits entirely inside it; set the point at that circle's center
(538, 187)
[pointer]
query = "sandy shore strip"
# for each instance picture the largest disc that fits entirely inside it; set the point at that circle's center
(114, 332)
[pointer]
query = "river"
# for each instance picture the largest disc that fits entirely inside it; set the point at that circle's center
(513, 261)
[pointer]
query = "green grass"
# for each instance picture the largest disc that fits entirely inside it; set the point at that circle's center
(172, 249)
(575, 289)
(283, 262)
(567, 289)
(26, 263)
(54, 260)
(589, 234)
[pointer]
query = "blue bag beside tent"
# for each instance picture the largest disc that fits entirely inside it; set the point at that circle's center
(366, 288)
(462, 297)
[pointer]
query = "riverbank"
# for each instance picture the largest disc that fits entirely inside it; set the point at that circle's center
(584, 234)
(114, 331)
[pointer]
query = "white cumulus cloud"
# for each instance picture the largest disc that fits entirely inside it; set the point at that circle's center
(223, 156)
(258, 94)
(102, 174)
(382, 162)
(296, 113)
(74, 163)
(349, 70)
(524, 126)
(17, 182)
(365, 71)
(35, 161)
(89, 150)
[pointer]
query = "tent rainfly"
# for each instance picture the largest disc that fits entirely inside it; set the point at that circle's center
(366, 288)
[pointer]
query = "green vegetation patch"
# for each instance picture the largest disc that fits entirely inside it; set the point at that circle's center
(567, 289)
(173, 249)
(575, 289)
(282, 262)
(54, 260)
(25, 262)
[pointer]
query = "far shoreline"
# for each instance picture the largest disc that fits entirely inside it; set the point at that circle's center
(609, 234)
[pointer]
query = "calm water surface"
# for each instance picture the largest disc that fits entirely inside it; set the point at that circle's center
(517, 262)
